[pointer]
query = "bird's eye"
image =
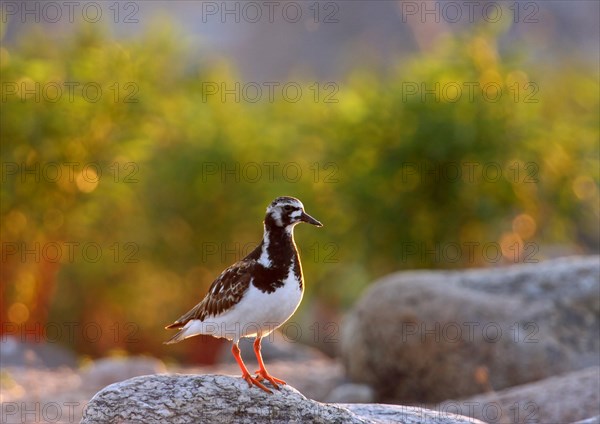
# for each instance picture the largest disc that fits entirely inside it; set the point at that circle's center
(287, 208)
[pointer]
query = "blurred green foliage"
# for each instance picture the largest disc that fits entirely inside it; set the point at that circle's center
(365, 165)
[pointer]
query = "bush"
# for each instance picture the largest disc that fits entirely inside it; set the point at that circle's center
(399, 177)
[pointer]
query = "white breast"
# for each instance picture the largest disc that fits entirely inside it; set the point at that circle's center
(257, 313)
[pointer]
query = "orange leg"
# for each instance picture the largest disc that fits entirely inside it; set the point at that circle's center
(245, 374)
(262, 371)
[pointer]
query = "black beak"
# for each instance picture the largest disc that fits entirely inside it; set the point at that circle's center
(309, 219)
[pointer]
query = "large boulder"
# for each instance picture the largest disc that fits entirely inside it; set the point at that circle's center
(562, 399)
(179, 398)
(428, 336)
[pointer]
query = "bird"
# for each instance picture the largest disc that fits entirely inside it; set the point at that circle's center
(255, 295)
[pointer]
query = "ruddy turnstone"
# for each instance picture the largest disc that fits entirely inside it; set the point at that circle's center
(256, 295)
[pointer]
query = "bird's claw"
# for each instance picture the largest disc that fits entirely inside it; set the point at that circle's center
(264, 375)
(256, 382)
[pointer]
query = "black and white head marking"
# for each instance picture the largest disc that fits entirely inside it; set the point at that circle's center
(285, 211)
(282, 215)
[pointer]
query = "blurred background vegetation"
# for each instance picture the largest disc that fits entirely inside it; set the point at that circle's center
(168, 220)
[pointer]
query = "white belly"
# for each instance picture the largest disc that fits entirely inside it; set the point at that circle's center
(257, 313)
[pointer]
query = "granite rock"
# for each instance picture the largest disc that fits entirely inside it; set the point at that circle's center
(179, 398)
(427, 336)
(562, 399)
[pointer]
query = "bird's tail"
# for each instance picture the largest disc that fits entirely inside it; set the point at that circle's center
(177, 337)
(186, 330)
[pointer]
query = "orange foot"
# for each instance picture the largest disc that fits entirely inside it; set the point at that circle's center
(264, 375)
(256, 382)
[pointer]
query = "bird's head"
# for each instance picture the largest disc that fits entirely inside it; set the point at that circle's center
(286, 212)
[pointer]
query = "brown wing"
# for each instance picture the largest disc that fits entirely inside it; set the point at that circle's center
(224, 292)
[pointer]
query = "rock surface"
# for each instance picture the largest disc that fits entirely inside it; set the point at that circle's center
(178, 398)
(105, 371)
(17, 352)
(428, 336)
(64, 392)
(593, 420)
(351, 393)
(563, 399)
